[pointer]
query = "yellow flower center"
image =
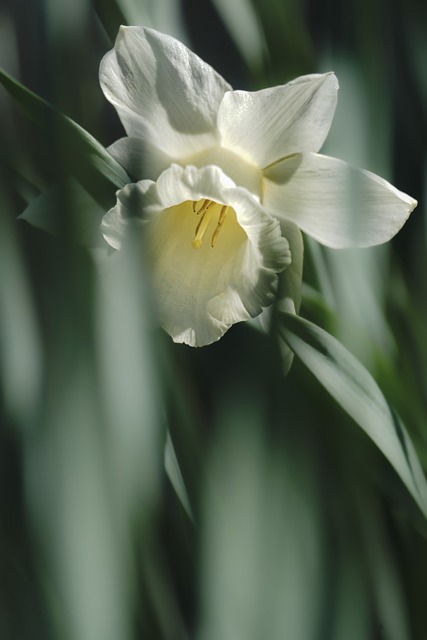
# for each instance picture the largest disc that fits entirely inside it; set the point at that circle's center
(206, 208)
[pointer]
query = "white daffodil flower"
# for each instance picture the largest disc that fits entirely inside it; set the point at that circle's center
(227, 179)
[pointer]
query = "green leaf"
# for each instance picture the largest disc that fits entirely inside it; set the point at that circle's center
(111, 16)
(43, 212)
(356, 391)
(175, 476)
(82, 155)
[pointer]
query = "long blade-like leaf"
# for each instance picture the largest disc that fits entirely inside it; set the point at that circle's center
(356, 391)
(84, 156)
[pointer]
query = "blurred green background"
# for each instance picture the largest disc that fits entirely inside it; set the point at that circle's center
(151, 490)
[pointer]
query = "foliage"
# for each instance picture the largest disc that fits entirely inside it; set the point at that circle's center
(151, 490)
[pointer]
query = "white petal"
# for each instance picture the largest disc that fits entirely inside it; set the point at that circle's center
(163, 92)
(178, 184)
(201, 292)
(269, 124)
(338, 205)
(140, 158)
(121, 220)
(244, 174)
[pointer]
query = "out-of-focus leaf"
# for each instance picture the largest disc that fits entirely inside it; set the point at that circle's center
(241, 21)
(387, 590)
(163, 15)
(82, 532)
(111, 17)
(128, 378)
(175, 476)
(262, 535)
(43, 211)
(356, 391)
(21, 357)
(85, 157)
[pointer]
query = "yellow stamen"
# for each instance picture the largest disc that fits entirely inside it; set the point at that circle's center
(206, 205)
(201, 228)
(206, 209)
(219, 225)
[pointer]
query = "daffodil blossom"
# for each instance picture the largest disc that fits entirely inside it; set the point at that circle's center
(226, 181)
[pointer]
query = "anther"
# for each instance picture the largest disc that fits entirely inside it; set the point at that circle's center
(206, 205)
(219, 225)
